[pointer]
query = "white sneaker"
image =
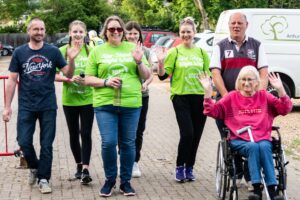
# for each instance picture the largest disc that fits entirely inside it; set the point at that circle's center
(32, 177)
(238, 183)
(250, 186)
(44, 186)
(136, 173)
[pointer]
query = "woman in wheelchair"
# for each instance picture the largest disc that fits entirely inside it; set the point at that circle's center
(249, 107)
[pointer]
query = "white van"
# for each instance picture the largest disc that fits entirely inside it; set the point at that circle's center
(279, 31)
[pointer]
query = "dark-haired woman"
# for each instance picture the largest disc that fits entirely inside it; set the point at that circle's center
(77, 103)
(134, 35)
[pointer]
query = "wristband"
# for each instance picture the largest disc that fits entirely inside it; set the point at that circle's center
(105, 83)
(138, 63)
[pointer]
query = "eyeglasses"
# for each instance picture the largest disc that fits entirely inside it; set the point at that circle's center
(118, 29)
(250, 80)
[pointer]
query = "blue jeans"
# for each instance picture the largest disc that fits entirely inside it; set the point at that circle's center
(25, 130)
(114, 120)
(259, 155)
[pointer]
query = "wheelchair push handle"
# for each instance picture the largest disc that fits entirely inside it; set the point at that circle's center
(248, 129)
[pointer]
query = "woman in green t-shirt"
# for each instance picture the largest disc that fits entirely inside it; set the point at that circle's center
(114, 70)
(184, 63)
(134, 34)
(77, 103)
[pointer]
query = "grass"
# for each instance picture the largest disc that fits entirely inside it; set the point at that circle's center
(293, 149)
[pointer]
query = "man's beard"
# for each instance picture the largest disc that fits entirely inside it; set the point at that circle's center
(34, 38)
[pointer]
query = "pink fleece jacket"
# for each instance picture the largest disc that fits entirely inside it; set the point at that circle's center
(257, 111)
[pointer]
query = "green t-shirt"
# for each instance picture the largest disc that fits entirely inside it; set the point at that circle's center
(73, 93)
(185, 65)
(108, 61)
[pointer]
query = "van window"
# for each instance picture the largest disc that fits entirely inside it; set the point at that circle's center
(210, 41)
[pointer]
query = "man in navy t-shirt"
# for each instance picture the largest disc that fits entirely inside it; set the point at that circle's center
(34, 63)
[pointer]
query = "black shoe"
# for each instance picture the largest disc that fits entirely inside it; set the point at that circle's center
(79, 171)
(254, 197)
(85, 177)
(277, 197)
(106, 189)
(126, 189)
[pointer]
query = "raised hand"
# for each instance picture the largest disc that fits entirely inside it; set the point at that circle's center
(161, 53)
(74, 50)
(206, 82)
(138, 53)
(276, 82)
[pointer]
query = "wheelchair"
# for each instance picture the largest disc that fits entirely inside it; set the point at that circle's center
(226, 175)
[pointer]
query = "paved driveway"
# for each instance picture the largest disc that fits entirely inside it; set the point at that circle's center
(157, 160)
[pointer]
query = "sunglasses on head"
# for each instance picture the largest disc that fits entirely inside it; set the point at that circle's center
(112, 30)
(187, 20)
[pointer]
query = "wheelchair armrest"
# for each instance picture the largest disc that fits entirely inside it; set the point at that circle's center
(225, 133)
(275, 128)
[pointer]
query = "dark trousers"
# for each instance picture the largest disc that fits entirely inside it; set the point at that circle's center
(141, 128)
(240, 163)
(25, 129)
(80, 121)
(191, 121)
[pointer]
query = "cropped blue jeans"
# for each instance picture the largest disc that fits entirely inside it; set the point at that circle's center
(259, 155)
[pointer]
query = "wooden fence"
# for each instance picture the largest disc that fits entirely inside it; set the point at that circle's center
(17, 39)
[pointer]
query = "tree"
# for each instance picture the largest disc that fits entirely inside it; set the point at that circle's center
(13, 9)
(58, 13)
(200, 6)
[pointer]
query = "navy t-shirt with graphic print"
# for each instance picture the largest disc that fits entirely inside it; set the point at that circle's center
(36, 70)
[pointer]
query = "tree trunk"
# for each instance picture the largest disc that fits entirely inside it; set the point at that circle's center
(200, 6)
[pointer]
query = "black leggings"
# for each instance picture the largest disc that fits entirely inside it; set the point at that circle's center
(81, 153)
(141, 128)
(191, 121)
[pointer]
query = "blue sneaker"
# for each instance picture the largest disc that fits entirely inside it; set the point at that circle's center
(126, 189)
(179, 175)
(189, 174)
(106, 190)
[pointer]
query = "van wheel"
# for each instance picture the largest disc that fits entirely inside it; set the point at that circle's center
(275, 93)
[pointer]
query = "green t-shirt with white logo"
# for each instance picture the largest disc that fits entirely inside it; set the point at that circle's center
(108, 61)
(185, 64)
(73, 93)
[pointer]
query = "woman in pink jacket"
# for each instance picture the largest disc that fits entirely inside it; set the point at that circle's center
(248, 106)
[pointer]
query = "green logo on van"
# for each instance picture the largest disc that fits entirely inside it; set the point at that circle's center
(275, 26)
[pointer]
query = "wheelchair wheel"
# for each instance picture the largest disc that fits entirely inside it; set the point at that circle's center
(233, 193)
(282, 175)
(221, 170)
